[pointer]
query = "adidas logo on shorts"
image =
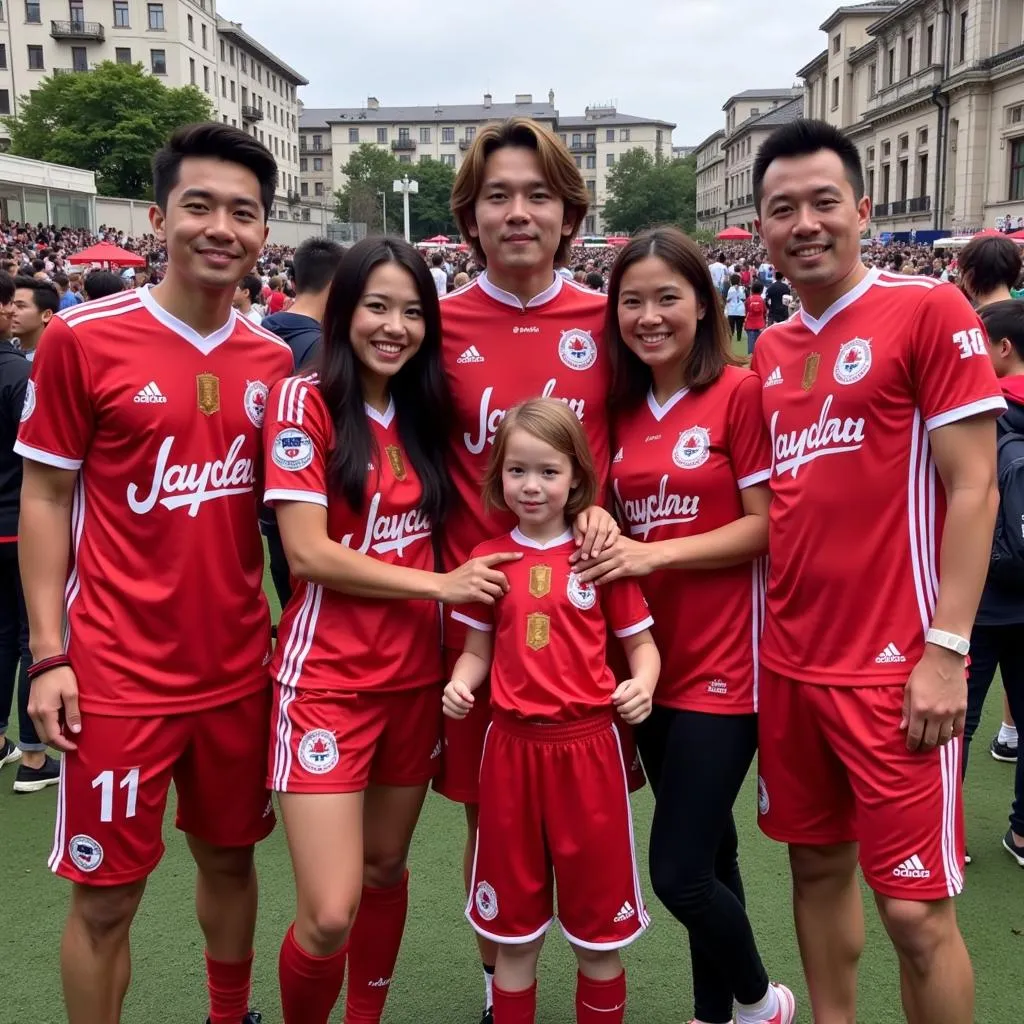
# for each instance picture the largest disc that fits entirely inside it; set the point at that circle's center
(912, 868)
(471, 355)
(890, 656)
(379, 983)
(626, 911)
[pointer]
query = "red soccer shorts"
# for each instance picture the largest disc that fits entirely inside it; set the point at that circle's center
(458, 778)
(113, 788)
(554, 813)
(834, 768)
(327, 742)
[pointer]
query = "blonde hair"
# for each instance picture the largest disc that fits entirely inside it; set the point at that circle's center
(558, 167)
(554, 423)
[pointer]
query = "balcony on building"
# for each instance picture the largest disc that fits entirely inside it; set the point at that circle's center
(922, 81)
(583, 147)
(85, 30)
(69, 71)
(464, 144)
(880, 210)
(251, 113)
(403, 145)
(919, 204)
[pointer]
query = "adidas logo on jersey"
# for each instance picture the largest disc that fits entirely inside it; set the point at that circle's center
(773, 378)
(471, 355)
(618, 456)
(912, 868)
(150, 395)
(626, 911)
(890, 656)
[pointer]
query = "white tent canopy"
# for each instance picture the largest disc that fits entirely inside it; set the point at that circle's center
(959, 241)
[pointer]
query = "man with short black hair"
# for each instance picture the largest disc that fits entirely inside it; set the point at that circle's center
(990, 266)
(437, 272)
(35, 301)
(67, 297)
(247, 295)
(775, 297)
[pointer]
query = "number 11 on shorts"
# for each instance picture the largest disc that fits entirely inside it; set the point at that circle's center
(105, 783)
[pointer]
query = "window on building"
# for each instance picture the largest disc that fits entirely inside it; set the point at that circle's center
(448, 159)
(404, 158)
(591, 161)
(872, 80)
(79, 58)
(903, 143)
(922, 137)
(609, 135)
(243, 63)
(609, 159)
(192, 70)
(835, 43)
(869, 156)
(304, 188)
(890, 66)
(908, 68)
(155, 13)
(591, 186)
(447, 135)
(1017, 169)
(303, 165)
(929, 44)
(231, 86)
(1014, 115)
(123, 55)
(318, 188)
(382, 134)
(424, 135)
(318, 163)
(191, 29)
(206, 78)
(884, 197)
(223, 51)
(203, 29)
(592, 138)
(231, 56)
(223, 87)
(3, 56)
(353, 135)
(121, 19)
(470, 132)
(403, 134)
(32, 14)
(886, 147)
(576, 137)
(961, 48)
(835, 93)
(158, 62)
(623, 135)
(922, 174)
(35, 58)
(870, 183)
(5, 101)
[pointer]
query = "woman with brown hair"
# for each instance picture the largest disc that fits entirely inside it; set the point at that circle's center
(690, 471)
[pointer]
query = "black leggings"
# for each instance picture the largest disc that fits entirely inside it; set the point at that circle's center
(736, 326)
(696, 764)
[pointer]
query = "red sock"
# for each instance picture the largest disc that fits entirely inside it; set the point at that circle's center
(600, 1002)
(373, 950)
(515, 1007)
(228, 985)
(310, 985)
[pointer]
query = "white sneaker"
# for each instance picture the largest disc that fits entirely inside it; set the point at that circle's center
(785, 1014)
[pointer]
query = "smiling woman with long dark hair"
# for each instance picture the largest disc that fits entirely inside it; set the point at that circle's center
(356, 474)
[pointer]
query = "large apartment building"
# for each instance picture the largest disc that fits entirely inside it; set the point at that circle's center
(597, 139)
(933, 95)
(710, 161)
(184, 42)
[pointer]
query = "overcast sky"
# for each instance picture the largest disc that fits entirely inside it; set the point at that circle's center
(676, 60)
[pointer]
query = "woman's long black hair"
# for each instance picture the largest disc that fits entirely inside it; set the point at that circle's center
(419, 389)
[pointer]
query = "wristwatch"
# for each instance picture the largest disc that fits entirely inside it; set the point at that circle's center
(951, 641)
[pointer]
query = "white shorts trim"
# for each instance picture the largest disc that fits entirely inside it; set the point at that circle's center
(508, 940)
(643, 923)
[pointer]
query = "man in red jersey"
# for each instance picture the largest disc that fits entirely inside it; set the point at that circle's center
(142, 452)
(517, 331)
(881, 403)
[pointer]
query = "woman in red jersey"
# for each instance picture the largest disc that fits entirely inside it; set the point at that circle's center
(355, 471)
(690, 479)
(554, 807)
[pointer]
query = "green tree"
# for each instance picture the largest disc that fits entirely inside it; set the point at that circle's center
(644, 191)
(430, 209)
(369, 171)
(110, 120)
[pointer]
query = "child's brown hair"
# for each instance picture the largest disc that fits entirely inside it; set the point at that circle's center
(554, 423)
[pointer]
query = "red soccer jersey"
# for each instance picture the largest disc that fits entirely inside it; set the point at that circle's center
(756, 313)
(328, 640)
(496, 354)
(858, 509)
(678, 471)
(165, 605)
(550, 631)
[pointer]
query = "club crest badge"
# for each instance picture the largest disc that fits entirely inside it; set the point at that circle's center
(693, 448)
(486, 900)
(577, 349)
(28, 406)
(255, 401)
(292, 449)
(85, 853)
(318, 751)
(853, 361)
(582, 595)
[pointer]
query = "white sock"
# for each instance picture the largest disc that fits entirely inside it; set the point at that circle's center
(756, 1013)
(1008, 734)
(489, 988)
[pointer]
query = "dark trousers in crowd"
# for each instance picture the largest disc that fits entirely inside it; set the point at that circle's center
(15, 657)
(752, 336)
(736, 326)
(279, 571)
(999, 647)
(696, 764)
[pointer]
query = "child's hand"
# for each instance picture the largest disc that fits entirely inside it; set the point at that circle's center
(457, 699)
(633, 700)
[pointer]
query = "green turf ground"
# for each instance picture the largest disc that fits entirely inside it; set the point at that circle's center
(438, 976)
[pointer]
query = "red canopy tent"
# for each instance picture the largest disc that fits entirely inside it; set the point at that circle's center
(1018, 235)
(436, 240)
(617, 240)
(109, 255)
(734, 234)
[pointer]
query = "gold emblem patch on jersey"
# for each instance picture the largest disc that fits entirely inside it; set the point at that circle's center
(394, 454)
(811, 364)
(538, 631)
(540, 581)
(208, 393)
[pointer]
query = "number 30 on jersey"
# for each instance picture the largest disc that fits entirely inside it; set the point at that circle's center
(970, 343)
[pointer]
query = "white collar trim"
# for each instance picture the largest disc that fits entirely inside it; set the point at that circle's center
(172, 323)
(659, 412)
(843, 302)
(383, 418)
(508, 299)
(520, 538)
